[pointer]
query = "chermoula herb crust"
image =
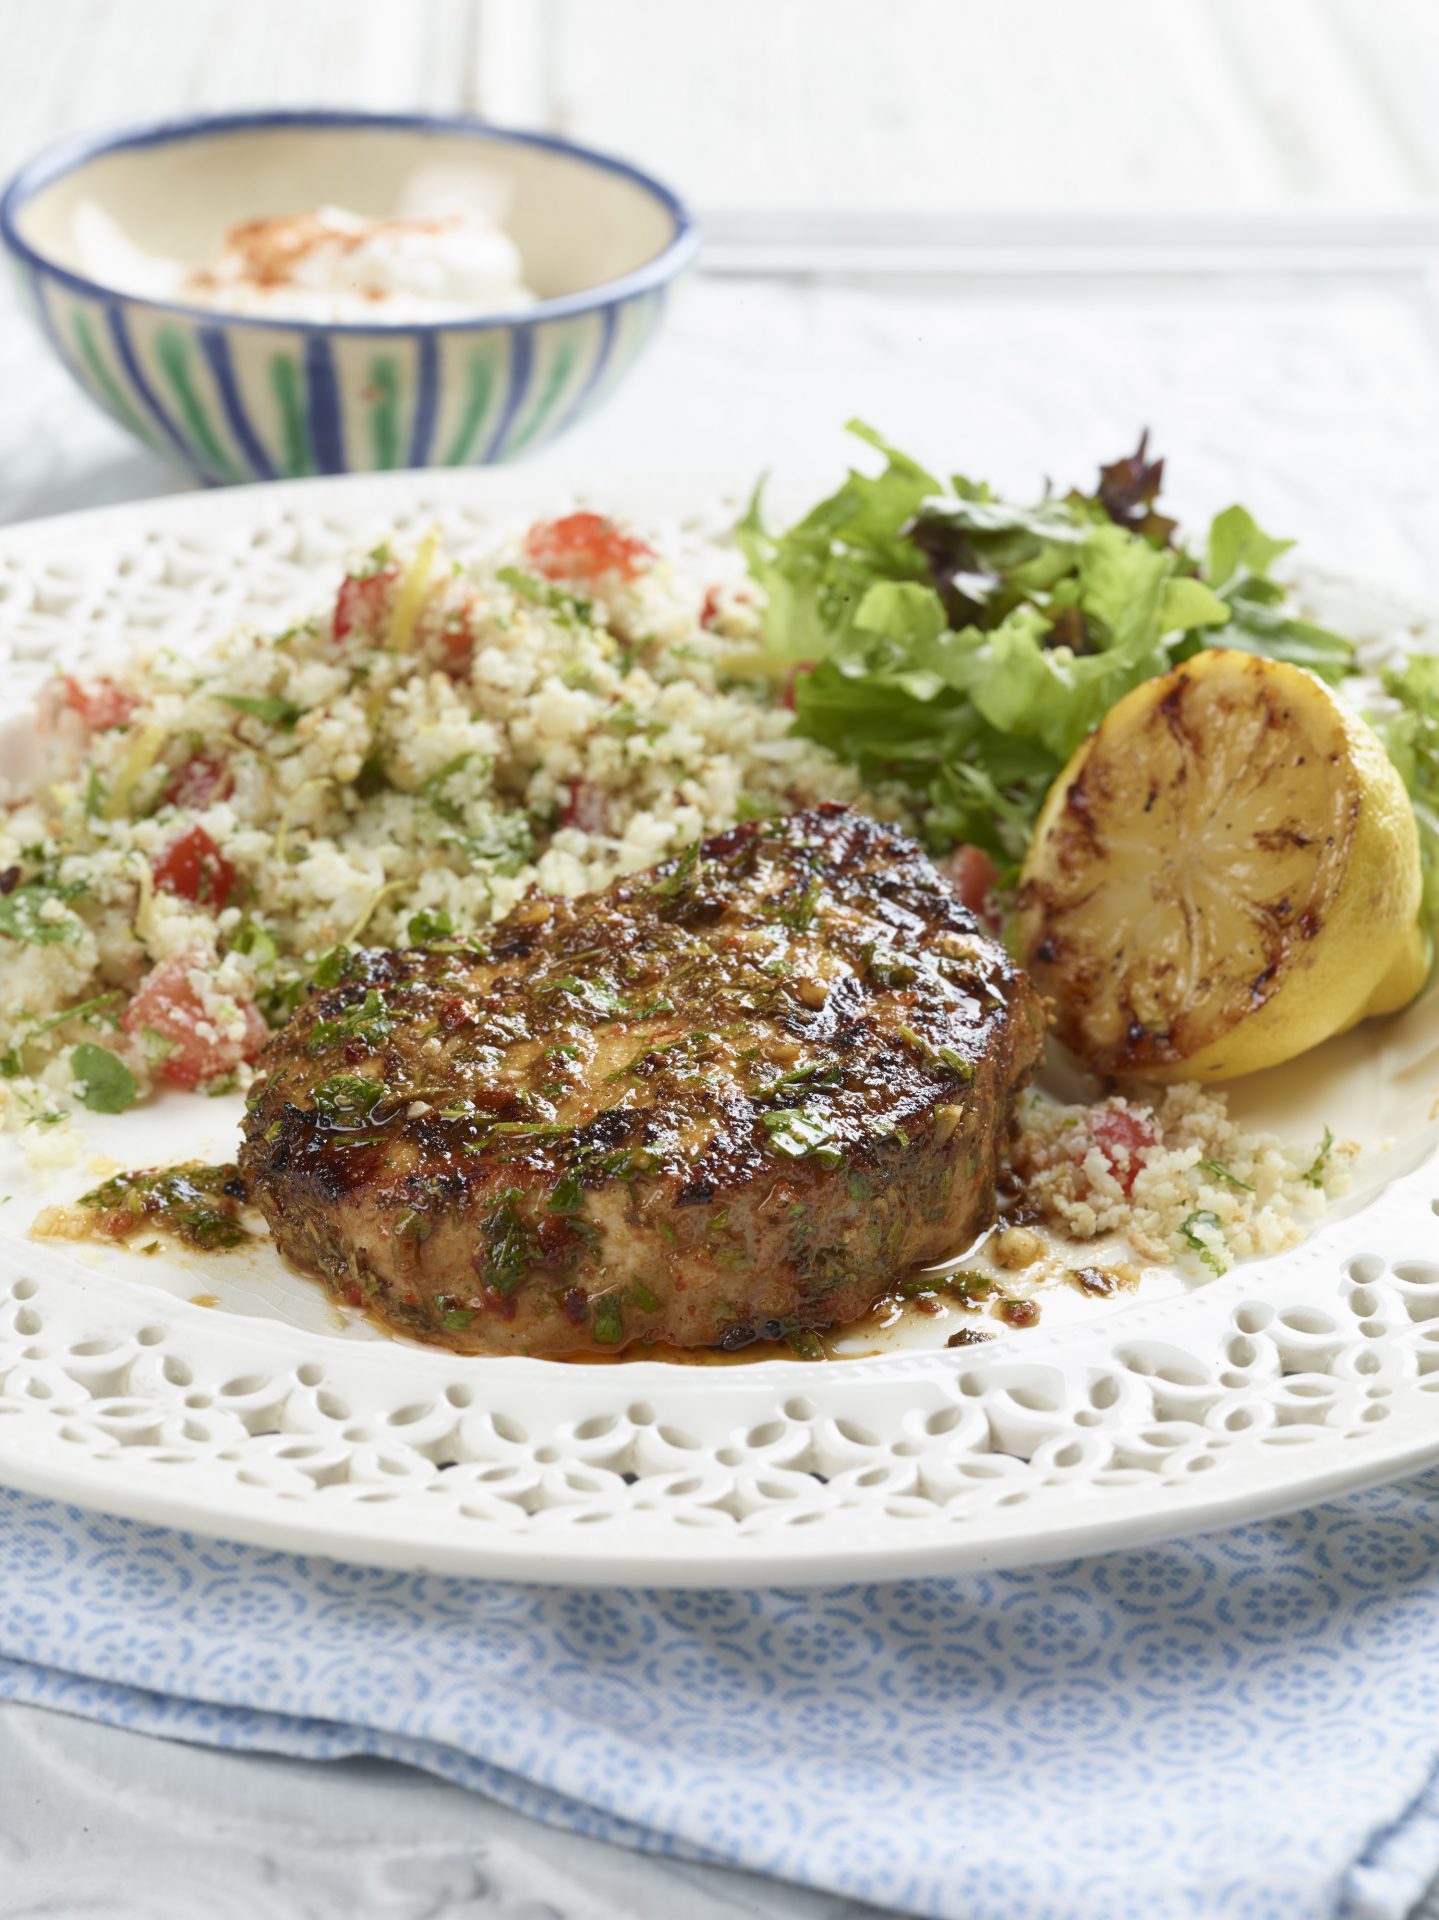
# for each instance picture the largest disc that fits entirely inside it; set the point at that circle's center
(730, 1098)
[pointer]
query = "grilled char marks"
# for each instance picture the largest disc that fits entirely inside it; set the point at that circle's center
(735, 1094)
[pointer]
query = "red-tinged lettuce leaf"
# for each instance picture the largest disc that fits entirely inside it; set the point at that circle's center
(1127, 491)
(963, 646)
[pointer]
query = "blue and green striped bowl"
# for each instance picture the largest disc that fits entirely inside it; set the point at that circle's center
(233, 397)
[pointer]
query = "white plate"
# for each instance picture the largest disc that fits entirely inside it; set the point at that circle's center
(272, 1418)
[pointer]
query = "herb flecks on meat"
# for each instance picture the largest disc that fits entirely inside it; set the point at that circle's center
(752, 1087)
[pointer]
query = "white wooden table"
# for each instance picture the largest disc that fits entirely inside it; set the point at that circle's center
(1008, 236)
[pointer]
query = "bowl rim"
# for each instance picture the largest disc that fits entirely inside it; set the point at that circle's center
(67, 156)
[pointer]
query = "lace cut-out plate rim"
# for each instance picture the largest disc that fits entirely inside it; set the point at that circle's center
(1284, 1383)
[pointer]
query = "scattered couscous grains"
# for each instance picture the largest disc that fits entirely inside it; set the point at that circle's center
(1178, 1178)
(396, 770)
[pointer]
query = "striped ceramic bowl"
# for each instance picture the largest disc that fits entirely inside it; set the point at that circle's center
(242, 398)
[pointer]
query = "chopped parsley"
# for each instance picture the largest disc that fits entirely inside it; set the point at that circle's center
(23, 914)
(432, 791)
(800, 1134)
(747, 807)
(1314, 1177)
(798, 913)
(506, 1252)
(686, 876)
(817, 1073)
(106, 1084)
(94, 1012)
(946, 1057)
(625, 723)
(251, 938)
(1218, 1172)
(1194, 1231)
(274, 711)
(598, 995)
(429, 924)
(505, 844)
(607, 1322)
(890, 969)
(965, 1285)
(569, 1193)
(330, 969)
(568, 607)
(804, 1343)
(370, 1021)
(347, 1096)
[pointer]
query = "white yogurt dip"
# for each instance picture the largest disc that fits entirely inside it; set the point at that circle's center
(327, 265)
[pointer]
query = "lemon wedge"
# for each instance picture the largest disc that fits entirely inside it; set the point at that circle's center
(1225, 874)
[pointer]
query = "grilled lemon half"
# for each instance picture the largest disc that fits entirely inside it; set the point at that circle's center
(1225, 874)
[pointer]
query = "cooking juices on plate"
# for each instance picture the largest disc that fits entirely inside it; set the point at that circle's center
(616, 1006)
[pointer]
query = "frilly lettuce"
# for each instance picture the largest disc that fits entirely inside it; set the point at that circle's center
(1410, 732)
(963, 646)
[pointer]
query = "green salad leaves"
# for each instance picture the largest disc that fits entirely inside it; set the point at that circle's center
(1411, 735)
(963, 646)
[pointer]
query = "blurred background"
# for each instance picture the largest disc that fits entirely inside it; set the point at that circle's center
(1010, 236)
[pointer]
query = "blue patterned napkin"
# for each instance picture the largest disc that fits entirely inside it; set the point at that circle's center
(1245, 1725)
